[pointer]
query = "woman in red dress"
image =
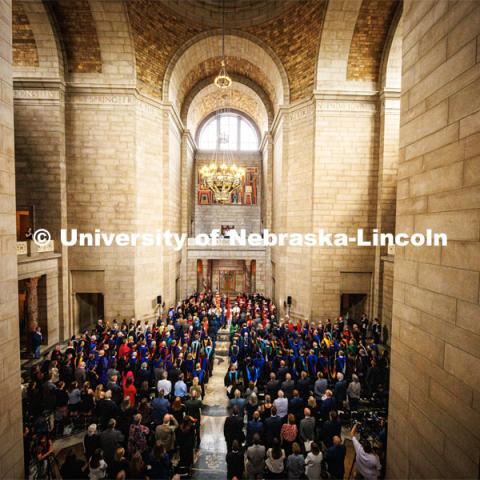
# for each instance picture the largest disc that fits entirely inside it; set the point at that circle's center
(129, 389)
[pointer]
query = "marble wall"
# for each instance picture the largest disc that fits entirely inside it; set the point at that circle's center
(101, 189)
(435, 364)
(11, 447)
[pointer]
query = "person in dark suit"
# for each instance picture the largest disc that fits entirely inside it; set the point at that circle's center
(282, 371)
(304, 385)
(106, 409)
(37, 339)
(237, 401)
(254, 426)
(160, 406)
(235, 461)
(328, 404)
(272, 386)
(296, 405)
(91, 441)
(331, 428)
(233, 429)
(110, 440)
(288, 385)
(193, 408)
(340, 390)
(335, 458)
(273, 426)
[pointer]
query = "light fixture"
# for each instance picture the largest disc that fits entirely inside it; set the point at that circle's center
(222, 179)
(223, 80)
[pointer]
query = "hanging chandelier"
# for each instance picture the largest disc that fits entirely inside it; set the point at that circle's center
(222, 177)
(223, 80)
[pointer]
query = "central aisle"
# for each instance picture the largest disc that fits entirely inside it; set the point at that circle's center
(211, 459)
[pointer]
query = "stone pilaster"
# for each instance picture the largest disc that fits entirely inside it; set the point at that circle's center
(40, 167)
(11, 446)
(389, 129)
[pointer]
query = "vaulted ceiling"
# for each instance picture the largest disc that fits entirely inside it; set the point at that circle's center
(302, 38)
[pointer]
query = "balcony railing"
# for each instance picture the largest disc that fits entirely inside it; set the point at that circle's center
(30, 248)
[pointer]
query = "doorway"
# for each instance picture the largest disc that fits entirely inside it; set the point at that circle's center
(352, 305)
(227, 281)
(228, 276)
(33, 291)
(89, 308)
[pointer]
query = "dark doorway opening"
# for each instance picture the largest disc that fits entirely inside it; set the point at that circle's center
(32, 311)
(89, 308)
(353, 305)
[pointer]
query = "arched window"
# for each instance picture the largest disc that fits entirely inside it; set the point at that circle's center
(228, 131)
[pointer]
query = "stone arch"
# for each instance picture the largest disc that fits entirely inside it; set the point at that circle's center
(24, 46)
(239, 97)
(352, 44)
(246, 49)
(79, 34)
(337, 33)
(245, 82)
(115, 40)
(39, 53)
(391, 65)
(369, 37)
(97, 41)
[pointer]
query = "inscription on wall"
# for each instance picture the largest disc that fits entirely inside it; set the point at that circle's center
(345, 106)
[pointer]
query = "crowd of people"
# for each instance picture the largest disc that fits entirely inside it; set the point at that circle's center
(293, 389)
(134, 390)
(135, 387)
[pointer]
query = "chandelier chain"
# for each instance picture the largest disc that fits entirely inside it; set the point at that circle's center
(222, 178)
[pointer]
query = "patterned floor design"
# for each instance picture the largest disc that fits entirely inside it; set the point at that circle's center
(211, 463)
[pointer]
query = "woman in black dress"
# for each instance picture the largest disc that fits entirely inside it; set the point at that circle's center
(235, 461)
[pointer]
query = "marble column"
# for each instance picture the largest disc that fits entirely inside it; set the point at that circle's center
(248, 272)
(253, 275)
(200, 276)
(206, 275)
(32, 303)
